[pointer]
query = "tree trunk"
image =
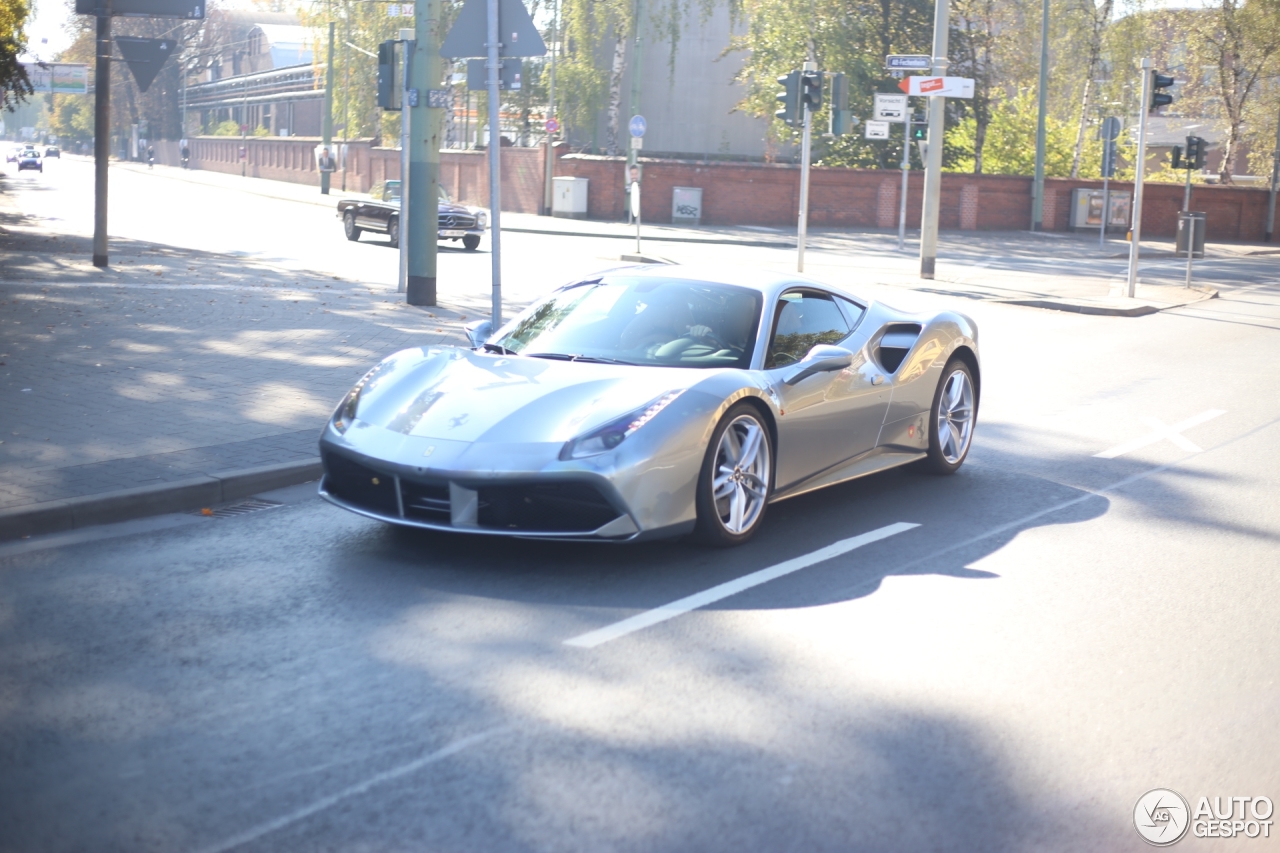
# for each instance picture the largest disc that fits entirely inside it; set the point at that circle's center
(1084, 119)
(615, 92)
(979, 139)
(1229, 153)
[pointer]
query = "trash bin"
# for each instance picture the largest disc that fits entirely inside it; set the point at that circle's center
(1186, 218)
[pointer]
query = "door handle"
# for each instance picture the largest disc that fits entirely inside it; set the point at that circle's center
(877, 379)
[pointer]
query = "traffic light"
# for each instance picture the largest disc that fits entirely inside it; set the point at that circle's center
(790, 98)
(388, 91)
(919, 127)
(1158, 98)
(1175, 160)
(811, 90)
(841, 117)
(1196, 150)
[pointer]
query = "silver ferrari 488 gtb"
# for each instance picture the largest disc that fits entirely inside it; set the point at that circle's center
(653, 401)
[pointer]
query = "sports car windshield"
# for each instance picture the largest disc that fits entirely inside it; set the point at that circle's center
(641, 320)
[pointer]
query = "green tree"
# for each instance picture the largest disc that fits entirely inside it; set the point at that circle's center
(14, 85)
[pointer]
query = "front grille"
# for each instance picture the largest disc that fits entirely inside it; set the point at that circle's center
(550, 507)
(426, 501)
(359, 485)
(454, 221)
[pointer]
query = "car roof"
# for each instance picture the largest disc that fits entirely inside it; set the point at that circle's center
(768, 282)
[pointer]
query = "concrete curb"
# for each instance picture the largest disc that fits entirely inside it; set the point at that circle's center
(1140, 309)
(179, 496)
(658, 238)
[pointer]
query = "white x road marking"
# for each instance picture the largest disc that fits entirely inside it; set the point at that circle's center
(1161, 431)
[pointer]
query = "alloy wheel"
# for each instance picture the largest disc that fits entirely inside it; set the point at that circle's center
(955, 417)
(742, 470)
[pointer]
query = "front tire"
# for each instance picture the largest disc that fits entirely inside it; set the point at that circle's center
(471, 242)
(736, 479)
(952, 419)
(349, 226)
(393, 231)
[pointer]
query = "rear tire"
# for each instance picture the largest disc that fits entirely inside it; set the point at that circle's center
(393, 231)
(951, 419)
(736, 479)
(349, 226)
(471, 242)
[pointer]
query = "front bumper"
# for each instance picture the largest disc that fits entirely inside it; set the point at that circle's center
(547, 507)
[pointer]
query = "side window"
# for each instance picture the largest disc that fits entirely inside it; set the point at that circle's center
(852, 310)
(804, 320)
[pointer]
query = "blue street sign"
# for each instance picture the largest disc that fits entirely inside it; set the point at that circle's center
(638, 126)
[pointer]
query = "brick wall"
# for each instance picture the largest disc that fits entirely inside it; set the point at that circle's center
(738, 193)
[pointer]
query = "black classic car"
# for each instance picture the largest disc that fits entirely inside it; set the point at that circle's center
(381, 213)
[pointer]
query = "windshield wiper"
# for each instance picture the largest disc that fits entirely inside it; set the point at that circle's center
(499, 348)
(592, 359)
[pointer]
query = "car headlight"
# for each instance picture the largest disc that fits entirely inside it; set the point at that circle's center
(346, 411)
(606, 438)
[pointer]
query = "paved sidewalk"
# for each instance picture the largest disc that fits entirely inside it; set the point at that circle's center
(173, 364)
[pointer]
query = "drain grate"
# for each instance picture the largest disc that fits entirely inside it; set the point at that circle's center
(242, 508)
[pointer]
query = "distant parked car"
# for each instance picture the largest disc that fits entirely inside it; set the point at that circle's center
(30, 159)
(53, 151)
(381, 213)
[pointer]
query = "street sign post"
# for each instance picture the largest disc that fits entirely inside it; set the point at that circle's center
(1109, 132)
(946, 87)
(877, 130)
(908, 62)
(890, 108)
(494, 29)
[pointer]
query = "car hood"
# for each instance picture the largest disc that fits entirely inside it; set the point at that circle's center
(454, 207)
(462, 395)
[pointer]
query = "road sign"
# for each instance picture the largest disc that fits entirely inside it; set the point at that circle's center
(891, 108)
(947, 87)
(62, 77)
(508, 74)
(469, 33)
(1110, 130)
(638, 126)
(908, 62)
(144, 57)
(192, 10)
(877, 130)
(552, 125)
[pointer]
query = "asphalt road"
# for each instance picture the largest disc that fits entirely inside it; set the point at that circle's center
(1061, 632)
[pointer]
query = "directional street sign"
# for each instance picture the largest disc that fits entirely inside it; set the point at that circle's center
(144, 57)
(947, 87)
(877, 130)
(468, 35)
(908, 62)
(192, 10)
(638, 126)
(891, 108)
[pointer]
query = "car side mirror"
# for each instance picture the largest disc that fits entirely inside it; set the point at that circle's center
(823, 358)
(479, 332)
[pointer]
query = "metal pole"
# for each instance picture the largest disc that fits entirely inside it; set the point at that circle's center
(802, 228)
(346, 94)
(1106, 209)
(1275, 178)
(426, 128)
(548, 187)
(1186, 193)
(1191, 245)
(635, 208)
(493, 64)
(637, 63)
(1137, 181)
(406, 38)
(326, 125)
(244, 127)
(1037, 186)
(101, 133)
(906, 166)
